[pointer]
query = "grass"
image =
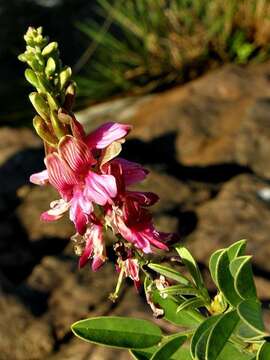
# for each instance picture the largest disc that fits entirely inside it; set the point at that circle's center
(146, 45)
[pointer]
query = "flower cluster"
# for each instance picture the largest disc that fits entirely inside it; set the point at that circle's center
(93, 184)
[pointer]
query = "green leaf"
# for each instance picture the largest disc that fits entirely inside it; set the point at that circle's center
(191, 264)
(250, 312)
(169, 273)
(213, 264)
(220, 333)
(207, 324)
(264, 352)
(145, 354)
(230, 352)
(168, 348)
(189, 318)
(241, 270)
(118, 332)
(237, 249)
(191, 304)
(225, 280)
(180, 290)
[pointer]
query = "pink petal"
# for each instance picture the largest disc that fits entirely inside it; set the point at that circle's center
(80, 210)
(86, 254)
(132, 172)
(77, 129)
(107, 134)
(40, 178)
(143, 198)
(57, 210)
(97, 263)
(60, 175)
(100, 188)
(76, 153)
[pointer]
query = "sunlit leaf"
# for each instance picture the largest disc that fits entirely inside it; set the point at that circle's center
(118, 332)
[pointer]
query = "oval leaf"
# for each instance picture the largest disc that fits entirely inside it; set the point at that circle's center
(189, 318)
(241, 270)
(264, 352)
(250, 312)
(237, 249)
(192, 303)
(213, 264)
(191, 264)
(118, 332)
(169, 273)
(207, 324)
(169, 348)
(180, 290)
(220, 333)
(225, 280)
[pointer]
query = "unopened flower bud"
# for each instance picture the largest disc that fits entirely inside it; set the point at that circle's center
(70, 96)
(49, 49)
(31, 77)
(40, 105)
(34, 37)
(50, 67)
(58, 128)
(64, 117)
(43, 131)
(65, 76)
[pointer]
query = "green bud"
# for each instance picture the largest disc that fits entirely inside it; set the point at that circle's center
(52, 102)
(49, 49)
(65, 76)
(50, 67)
(34, 37)
(59, 129)
(40, 105)
(31, 78)
(43, 131)
(44, 84)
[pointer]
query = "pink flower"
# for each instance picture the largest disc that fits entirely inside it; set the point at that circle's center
(94, 247)
(129, 217)
(74, 172)
(132, 268)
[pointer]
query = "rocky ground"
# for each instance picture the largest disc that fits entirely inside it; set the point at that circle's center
(207, 144)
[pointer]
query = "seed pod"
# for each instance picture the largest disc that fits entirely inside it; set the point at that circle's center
(43, 131)
(40, 105)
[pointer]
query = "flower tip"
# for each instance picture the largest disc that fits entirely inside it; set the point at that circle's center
(97, 263)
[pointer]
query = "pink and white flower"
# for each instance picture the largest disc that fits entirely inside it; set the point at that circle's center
(73, 171)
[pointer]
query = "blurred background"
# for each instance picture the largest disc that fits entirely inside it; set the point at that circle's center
(193, 78)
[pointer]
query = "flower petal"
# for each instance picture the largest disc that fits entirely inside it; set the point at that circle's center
(142, 197)
(80, 210)
(100, 188)
(132, 171)
(106, 134)
(40, 178)
(60, 175)
(56, 211)
(76, 153)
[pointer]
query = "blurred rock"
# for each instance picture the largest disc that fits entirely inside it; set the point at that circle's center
(22, 336)
(216, 119)
(236, 213)
(13, 140)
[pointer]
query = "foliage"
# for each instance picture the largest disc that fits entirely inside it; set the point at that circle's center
(228, 326)
(154, 43)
